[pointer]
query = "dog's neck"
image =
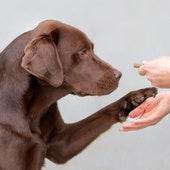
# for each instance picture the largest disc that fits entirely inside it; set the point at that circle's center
(37, 100)
(40, 96)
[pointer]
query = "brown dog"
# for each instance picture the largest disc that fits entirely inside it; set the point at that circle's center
(37, 69)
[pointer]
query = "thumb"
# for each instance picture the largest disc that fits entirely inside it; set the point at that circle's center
(142, 69)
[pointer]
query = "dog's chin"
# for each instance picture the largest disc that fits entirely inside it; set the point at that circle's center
(81, 94)
(100, 92)
(106, 92)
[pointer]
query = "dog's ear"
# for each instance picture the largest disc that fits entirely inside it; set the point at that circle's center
(41, 59)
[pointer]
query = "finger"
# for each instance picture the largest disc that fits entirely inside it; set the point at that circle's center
(129, 127)
(141, 109)
(138, 124)
(144, 62)
(126, 129)
(136, 112)
(142, 70)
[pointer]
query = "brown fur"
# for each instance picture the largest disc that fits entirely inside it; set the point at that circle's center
(37, 69)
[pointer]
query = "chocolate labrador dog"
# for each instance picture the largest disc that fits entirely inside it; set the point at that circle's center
(36, 70)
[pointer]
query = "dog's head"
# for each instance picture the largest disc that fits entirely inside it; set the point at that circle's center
(62, 55)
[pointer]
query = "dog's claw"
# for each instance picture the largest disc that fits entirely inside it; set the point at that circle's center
(125, 105)
(122, 117)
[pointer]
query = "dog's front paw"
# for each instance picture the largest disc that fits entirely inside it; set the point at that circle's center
(134, 99)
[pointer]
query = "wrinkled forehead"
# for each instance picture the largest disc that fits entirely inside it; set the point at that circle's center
(72, 37)
(74, 34)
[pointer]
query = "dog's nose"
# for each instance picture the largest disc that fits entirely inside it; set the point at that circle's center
(117, 74)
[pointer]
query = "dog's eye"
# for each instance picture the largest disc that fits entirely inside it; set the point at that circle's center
(84, 52)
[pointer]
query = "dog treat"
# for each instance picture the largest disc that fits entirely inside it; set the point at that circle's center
(136, 65)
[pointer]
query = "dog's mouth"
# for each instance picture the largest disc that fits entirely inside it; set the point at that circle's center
(109, 82)
(106, 84)
(101, 93)
(100, 90)
(81, 94)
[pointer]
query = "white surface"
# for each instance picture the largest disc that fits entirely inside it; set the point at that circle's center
(124, 32)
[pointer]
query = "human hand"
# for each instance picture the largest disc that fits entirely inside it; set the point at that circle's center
(149, 112)
(157, 71)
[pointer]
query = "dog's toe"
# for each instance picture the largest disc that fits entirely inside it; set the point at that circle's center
(137, 101)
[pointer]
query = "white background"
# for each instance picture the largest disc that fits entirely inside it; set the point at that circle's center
(124, 32)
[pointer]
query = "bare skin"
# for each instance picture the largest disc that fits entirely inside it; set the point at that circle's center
(154, 109)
